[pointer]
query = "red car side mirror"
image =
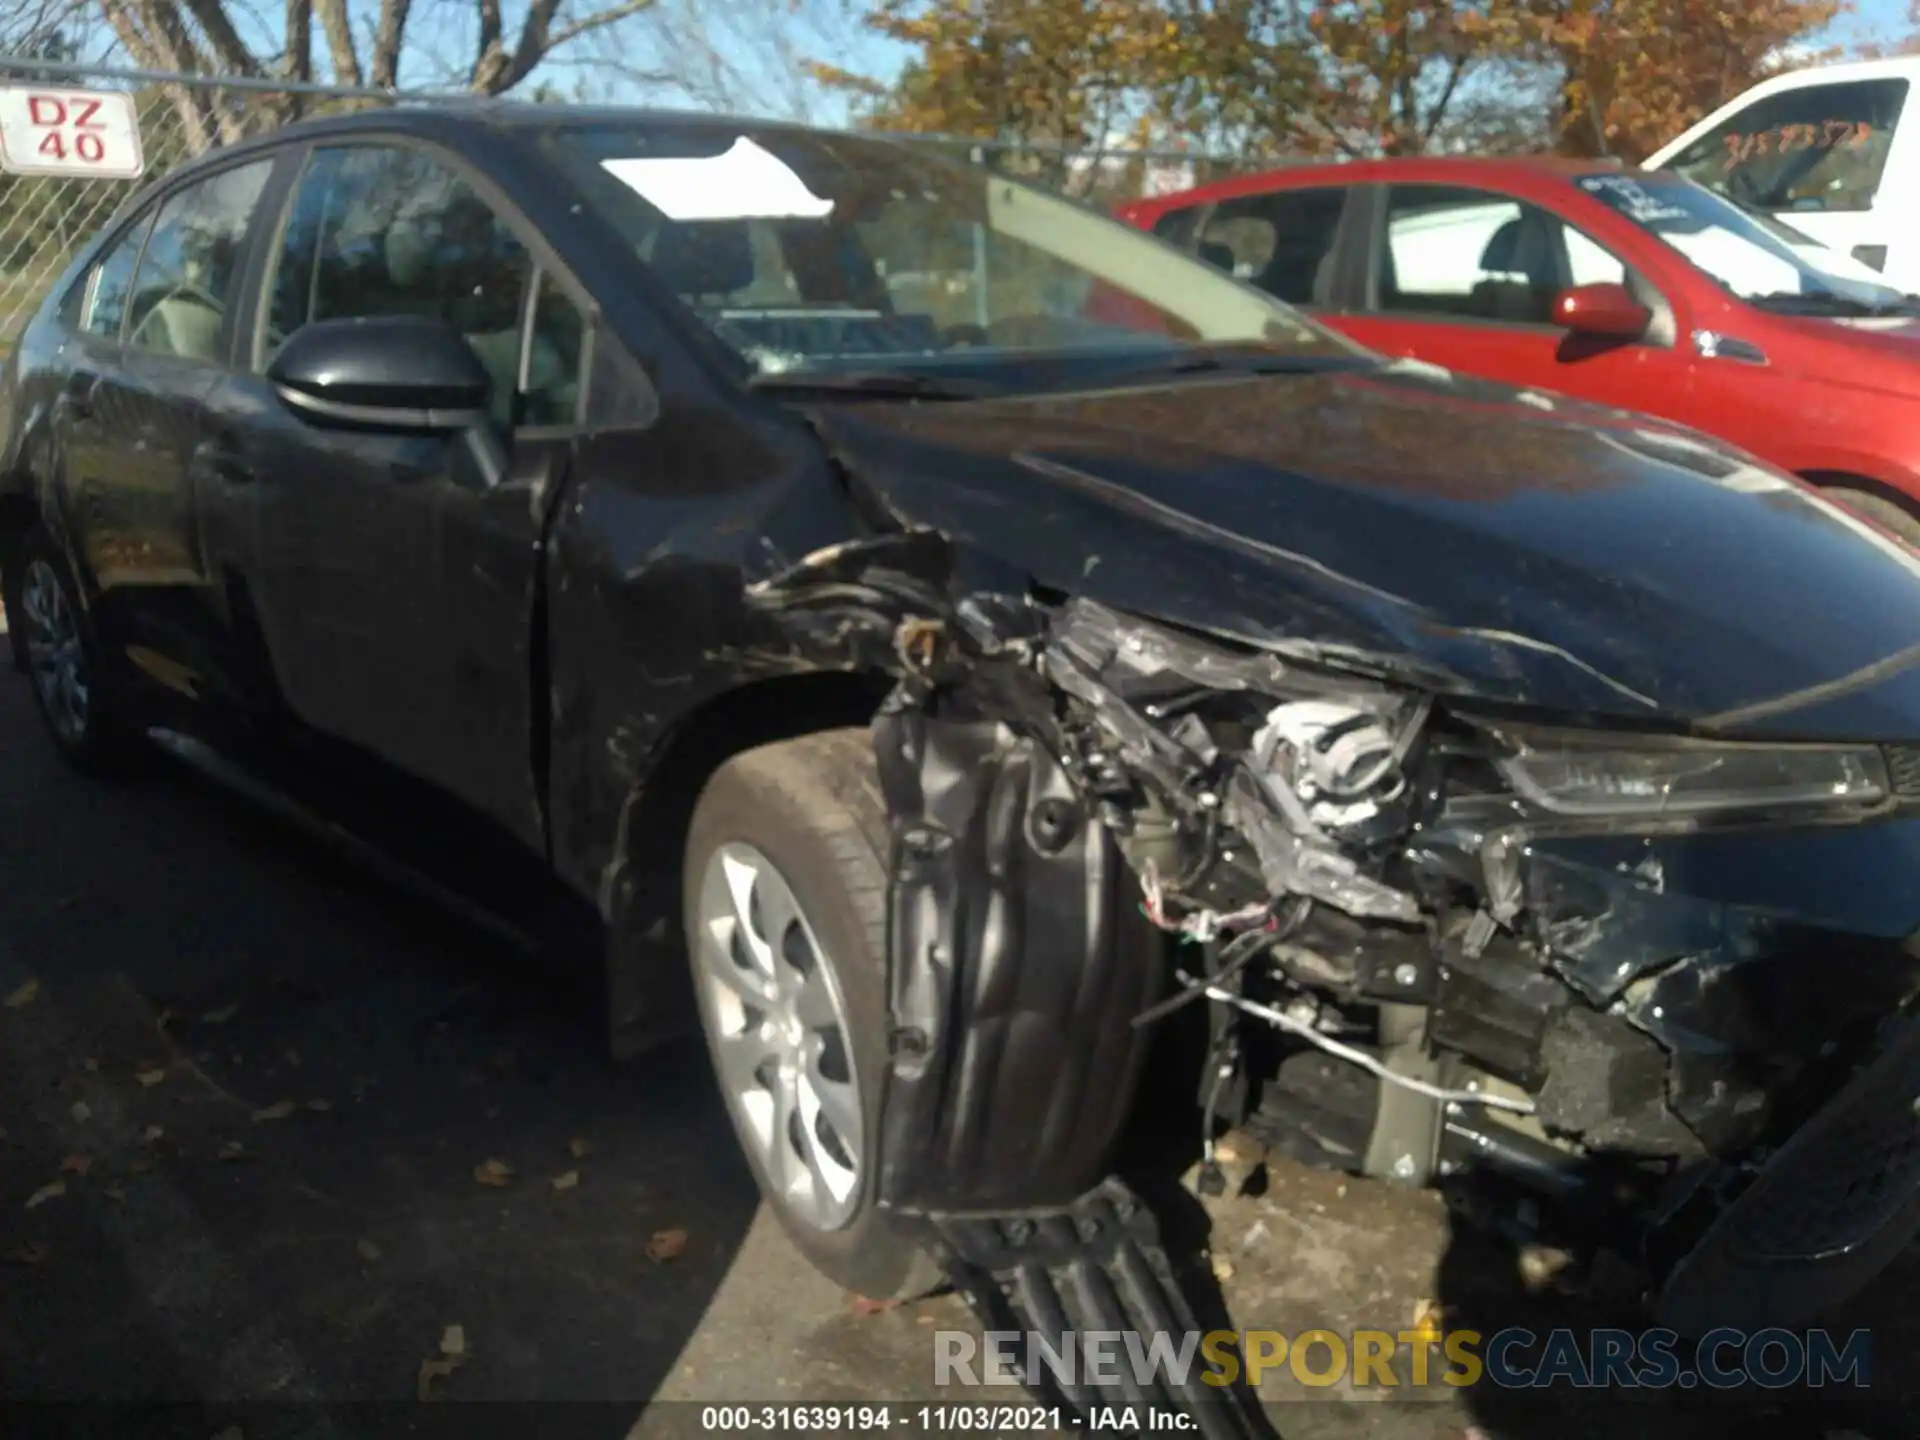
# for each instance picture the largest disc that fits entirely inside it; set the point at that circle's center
(1603, 309)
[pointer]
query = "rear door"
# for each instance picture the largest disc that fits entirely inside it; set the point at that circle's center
(1466, 278)
(153, 338)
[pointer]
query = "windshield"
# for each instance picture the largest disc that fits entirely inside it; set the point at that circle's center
(1754, 261)
(812, 252)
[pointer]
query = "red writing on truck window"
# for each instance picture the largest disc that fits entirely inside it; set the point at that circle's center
(1743, 146)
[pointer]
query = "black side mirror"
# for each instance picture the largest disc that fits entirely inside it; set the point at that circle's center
(401, 373)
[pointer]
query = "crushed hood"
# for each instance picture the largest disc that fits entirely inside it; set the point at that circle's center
(1468, 537)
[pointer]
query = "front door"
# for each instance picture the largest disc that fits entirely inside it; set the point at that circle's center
(394, 577)
(1467, 278)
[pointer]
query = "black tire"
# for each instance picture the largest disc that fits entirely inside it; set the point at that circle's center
(812, 806)
(1887, 514)
(110, 740)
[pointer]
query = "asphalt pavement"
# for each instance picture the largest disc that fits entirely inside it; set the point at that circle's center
(285, 1149)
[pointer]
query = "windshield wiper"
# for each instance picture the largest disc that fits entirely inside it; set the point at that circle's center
(883, 384)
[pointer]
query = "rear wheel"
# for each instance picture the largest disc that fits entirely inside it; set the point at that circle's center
(785, 892)
(84, 711)
(1888, 514)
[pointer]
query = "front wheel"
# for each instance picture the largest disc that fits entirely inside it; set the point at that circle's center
(785, 893)
(84, 711)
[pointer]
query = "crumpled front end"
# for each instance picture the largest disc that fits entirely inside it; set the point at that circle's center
(1431, 936)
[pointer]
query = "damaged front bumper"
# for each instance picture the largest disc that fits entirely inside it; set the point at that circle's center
(1427, 939)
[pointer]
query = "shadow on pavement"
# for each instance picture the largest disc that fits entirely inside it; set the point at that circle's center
(1489, 1281)
(271, 1133)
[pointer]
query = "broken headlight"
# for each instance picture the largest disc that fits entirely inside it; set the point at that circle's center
(1580, 773)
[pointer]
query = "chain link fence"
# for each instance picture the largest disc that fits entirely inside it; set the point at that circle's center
(44, 218)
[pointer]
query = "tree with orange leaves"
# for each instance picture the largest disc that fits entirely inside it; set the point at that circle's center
(1635, 73)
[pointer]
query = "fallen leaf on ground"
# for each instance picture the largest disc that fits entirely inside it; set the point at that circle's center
(67, 902)
(368, 1250)
(151, 1134)
(233, 1150)
(150, 1078)
(493, 1172)
(114, 1193)
(27, 1254)
(319, 1105)
(293, 1057)
(82, 1111)
(432, 1370)
(923, 1319)
(863, 1306)
(22, 995)
(164, 1019)
(139, 1167)
(279, 1110)
(1222, 1268)
(220, 1016)
(453, 1341)
(92, 1062)
(566, 1181)
(76, 1165)
(52, 1191)
(580, 1147)
(666, 1245)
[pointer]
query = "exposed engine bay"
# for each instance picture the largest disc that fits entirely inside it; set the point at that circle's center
(1430, 938)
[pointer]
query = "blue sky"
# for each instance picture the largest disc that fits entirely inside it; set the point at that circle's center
(746, 65)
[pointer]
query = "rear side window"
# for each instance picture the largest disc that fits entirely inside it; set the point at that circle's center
(191, 267)
(1821, 147)
(1281, 241)
(1176, 226)
(111, 284)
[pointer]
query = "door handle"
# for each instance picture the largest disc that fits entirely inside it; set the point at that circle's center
(76, 396)
(217, 461)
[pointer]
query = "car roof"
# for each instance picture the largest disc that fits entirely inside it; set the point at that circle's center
(444, 118)
(1520, 170)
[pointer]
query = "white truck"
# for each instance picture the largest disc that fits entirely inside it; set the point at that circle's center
(1825, 151)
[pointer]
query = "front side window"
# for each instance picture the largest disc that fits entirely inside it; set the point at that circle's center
(1815, 148)
(1456, 253)
(191, 267)
(1738, 251)
(388, 230)
(805, 251)
(1281, 241)
(112, 282)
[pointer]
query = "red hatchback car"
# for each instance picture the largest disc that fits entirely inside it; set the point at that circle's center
(1630, 288)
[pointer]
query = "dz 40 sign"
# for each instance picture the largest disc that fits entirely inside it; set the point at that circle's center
(45, 130)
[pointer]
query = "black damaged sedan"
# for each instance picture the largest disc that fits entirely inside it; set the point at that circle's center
(943, 640)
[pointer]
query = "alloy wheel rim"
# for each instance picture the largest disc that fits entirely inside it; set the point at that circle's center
(55, 658)
(780, 1036)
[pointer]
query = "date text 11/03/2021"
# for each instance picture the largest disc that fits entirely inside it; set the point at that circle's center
(912, 1417)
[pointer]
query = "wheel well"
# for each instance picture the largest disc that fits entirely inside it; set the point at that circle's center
(648, 989)
(1866, 484)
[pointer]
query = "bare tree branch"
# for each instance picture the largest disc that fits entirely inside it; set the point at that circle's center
(298, 63)
(386, 43)
(338, 29)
